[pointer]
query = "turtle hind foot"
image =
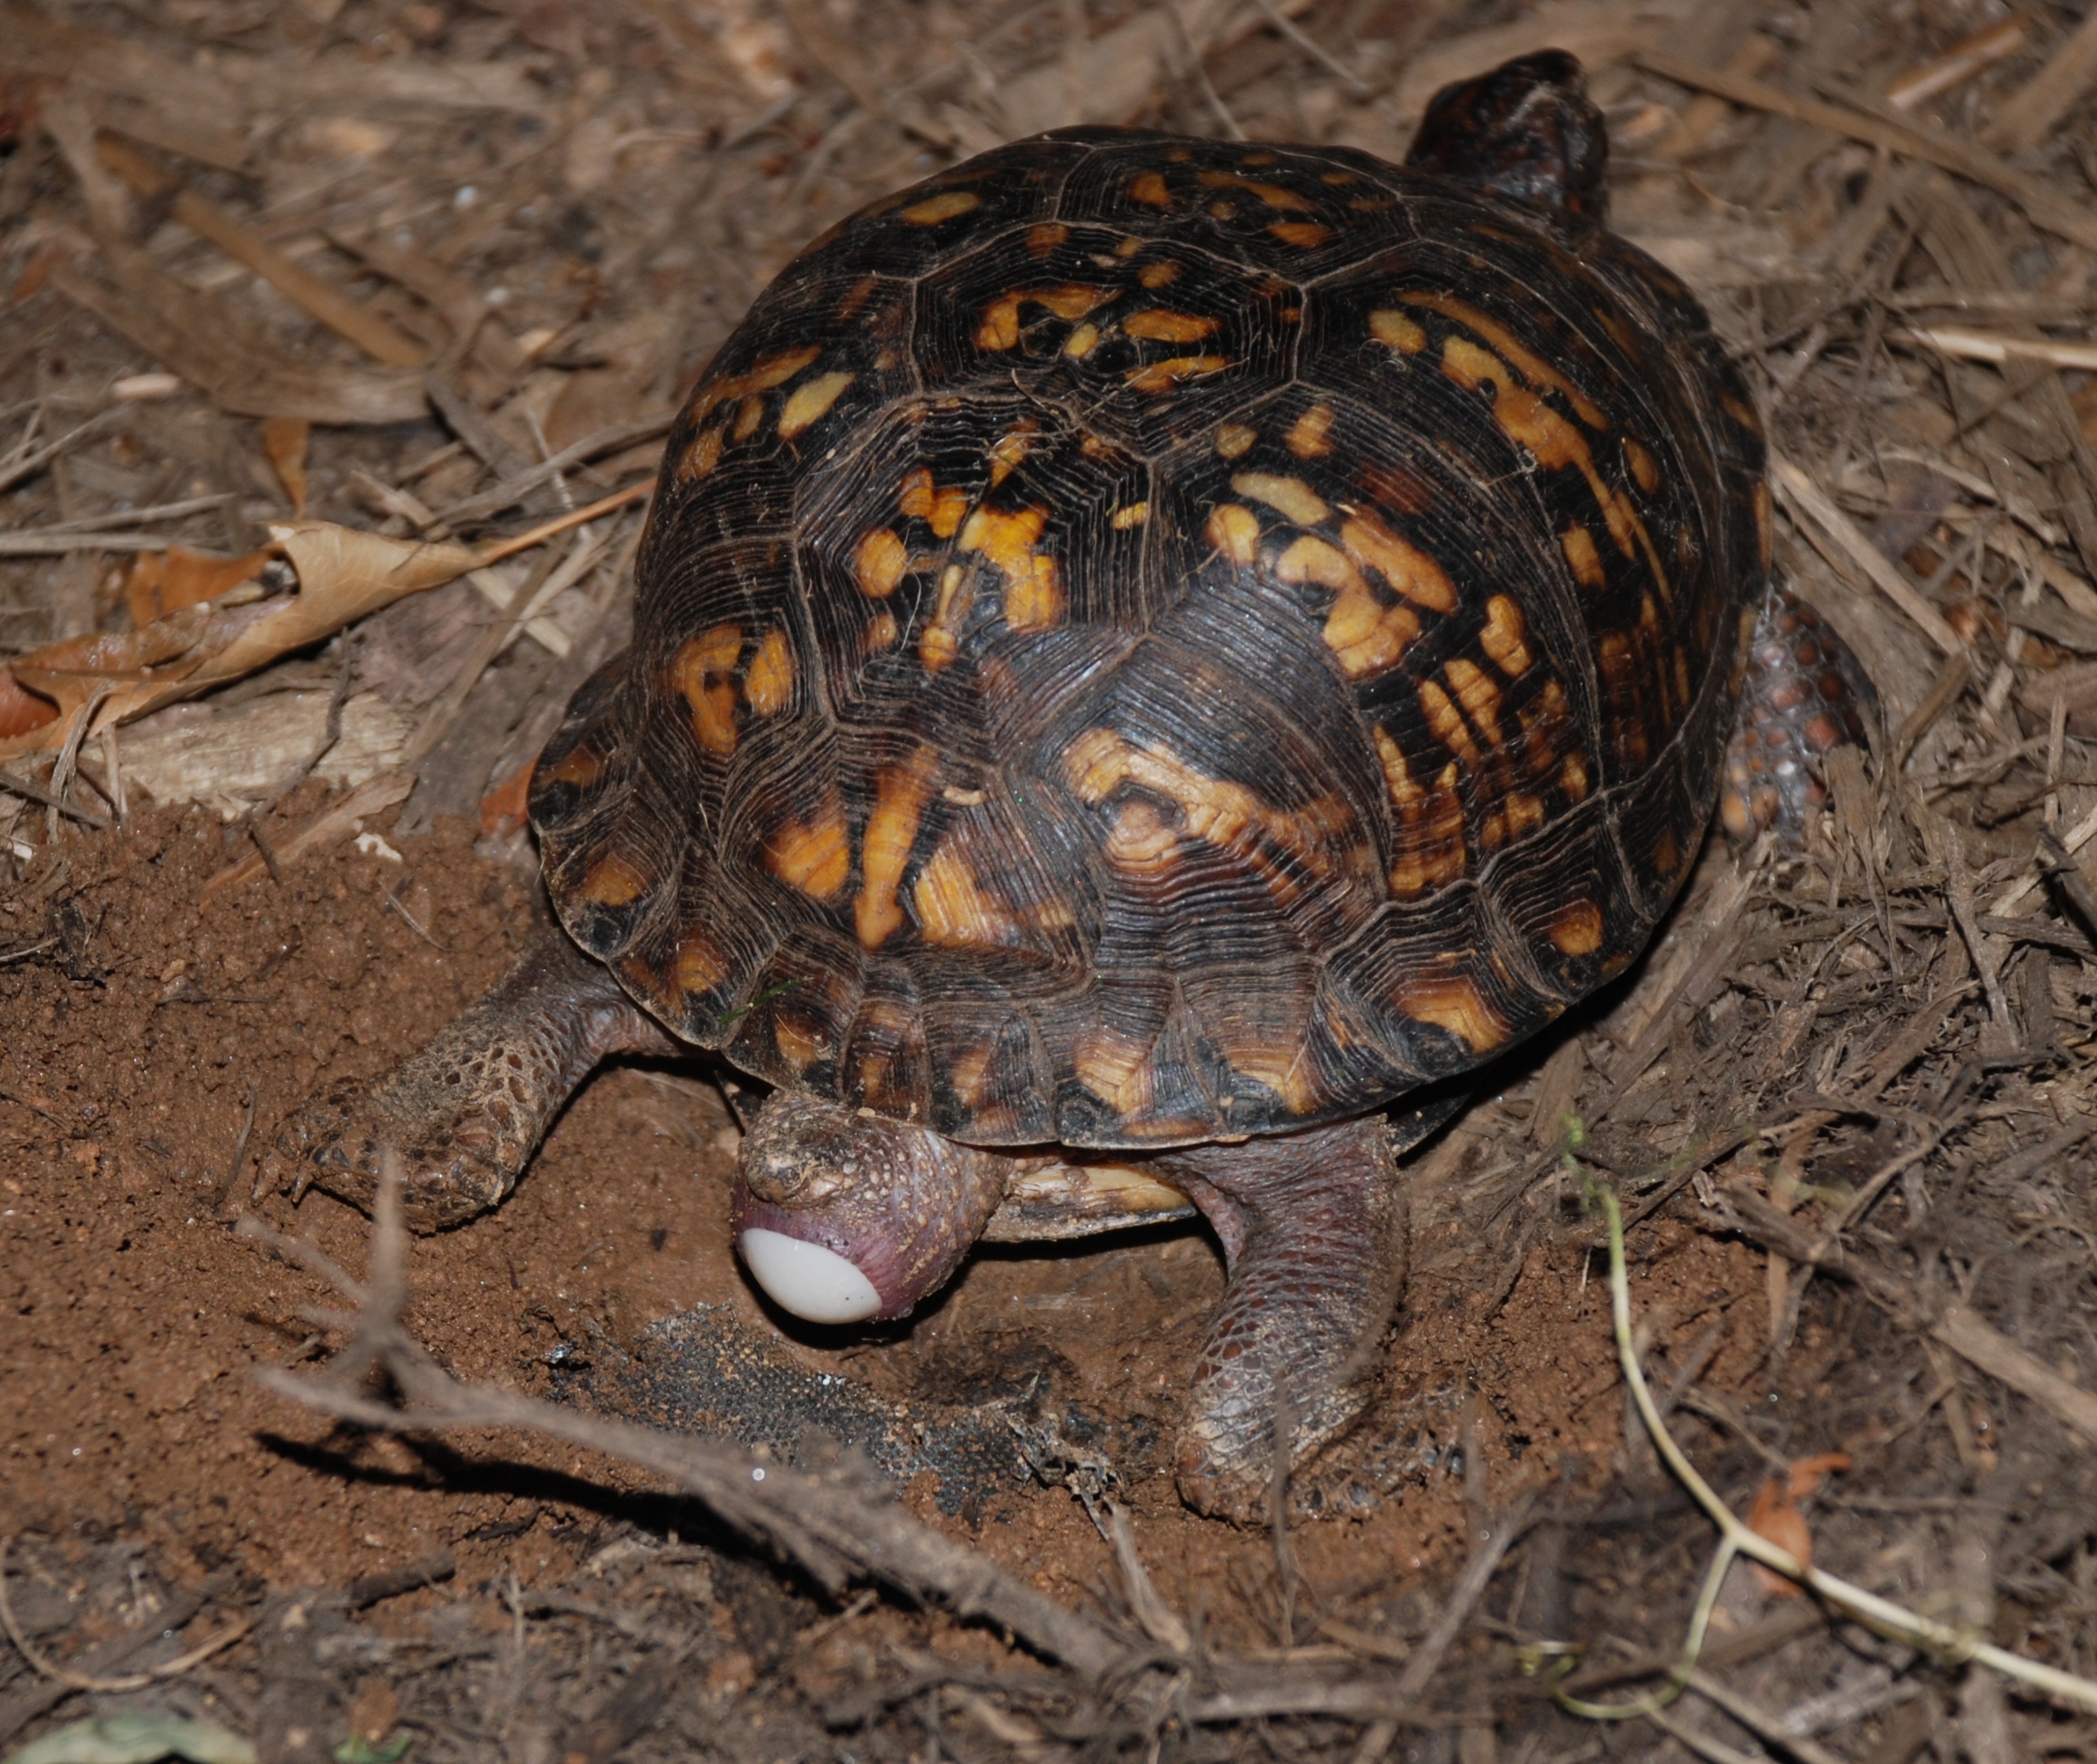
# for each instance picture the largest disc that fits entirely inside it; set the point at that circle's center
(465, 1114)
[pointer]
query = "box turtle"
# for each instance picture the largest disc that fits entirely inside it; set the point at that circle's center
(1154, 656)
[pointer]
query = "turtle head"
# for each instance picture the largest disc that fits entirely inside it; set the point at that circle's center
(1527, 129)
(843, 1214)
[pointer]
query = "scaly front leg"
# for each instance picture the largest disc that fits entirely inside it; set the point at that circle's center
(466, 1113)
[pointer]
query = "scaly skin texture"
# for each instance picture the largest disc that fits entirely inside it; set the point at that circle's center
(1314, 1235)
(1314, 1232)
(902, 1204)
(467, 1112)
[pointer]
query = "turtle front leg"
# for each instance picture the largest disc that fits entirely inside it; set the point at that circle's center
(1314, 1227)
(466, 1113)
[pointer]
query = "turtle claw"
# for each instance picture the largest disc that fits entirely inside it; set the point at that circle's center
(465, 1114)
(338, 1141)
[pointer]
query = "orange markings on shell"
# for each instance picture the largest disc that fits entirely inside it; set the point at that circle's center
(1011, 449)
(1446, 723)
(772, 371)
(1159, 326)
(809, 402)
(1274, 195)
(940, 640)
(1133, 515)
(1149, 187)
(1289, 496)
(1428, 844)
(1644, 467)
(768, 687)
(1454, 1002)
(701, 965)
(1000, 328)
(1303, 235)
(1576, 928)
(1234, 439)
(614, 881)
(942, 510)
(952, 911)
(899, 795)
(1408, 569)
(1115, 1068)
(1235, 531)
(879, 563)
(1082, 342)
(1579, 545)
(1286, 1070)
(702, 454)
(1309, 436)
(1398, 331)
(1033, 591)
(797, 1047)
(969, 1071)
(1043, 238)
(579, 768)
(1159, 274)
(1216, 811)
(815, 857)
(747, 417)
(881, 633)
(944, 206)
(1505, 637)
(700, 673)
(1162, 377)
(1478, 694)
(1363, 634)
(1531, 366)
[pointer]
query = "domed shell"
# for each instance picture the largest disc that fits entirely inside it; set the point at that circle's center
(1144, 639)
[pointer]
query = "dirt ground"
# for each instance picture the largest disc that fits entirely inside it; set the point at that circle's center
(377, 263)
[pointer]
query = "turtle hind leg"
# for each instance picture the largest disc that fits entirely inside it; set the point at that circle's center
(1314, 1227)
(465, 1114)
(1803, 692)
(1527, 129)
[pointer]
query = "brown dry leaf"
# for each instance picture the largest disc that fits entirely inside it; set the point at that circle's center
(1775, 1516)
(287, 439)
(160, 583)
(1775, 1519)
(343, 575)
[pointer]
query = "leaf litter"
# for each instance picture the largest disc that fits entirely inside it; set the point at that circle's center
(316, 308)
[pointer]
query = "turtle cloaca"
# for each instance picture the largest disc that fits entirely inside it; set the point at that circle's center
(1153, 658)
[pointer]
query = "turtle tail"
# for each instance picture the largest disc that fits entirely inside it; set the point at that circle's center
(1527, 129)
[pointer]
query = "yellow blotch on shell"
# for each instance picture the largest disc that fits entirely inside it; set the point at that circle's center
(899, 795)
(940, 642)
(1475, 691)
(1082, 342)
(941, 509)
(1505, 637)
(614, 881)
(952, 911)
(881, 633)
(1303, 235)
(700, 965)
(1309, 436)
(1115, 1067)
(1398, 330)
(702, 454)
(700, 673)
(1159, 326)
(1644, 467)
(1274, 195)
(579, 768)
(747, 418)
(797, 1047)
(1159, 274)
(879, 563)
(944, 206)
(1045, 237)
(1034, 589)
(1579, 545)
(1408, 569)
(811, 401)
(1364, 635)
(773, 370)
(1234, 440)
(1162, 377)
(768, 687)
(1135, 514)
(1427, 842)
(1446, 723)
(814, 856)
(1286, 1070)
(1149, 188)
(1454, 1002)
(1573, 778)
(1575, 929)
(1235, 531)
(1511, 349)
(1290, 497)
(999, 327)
